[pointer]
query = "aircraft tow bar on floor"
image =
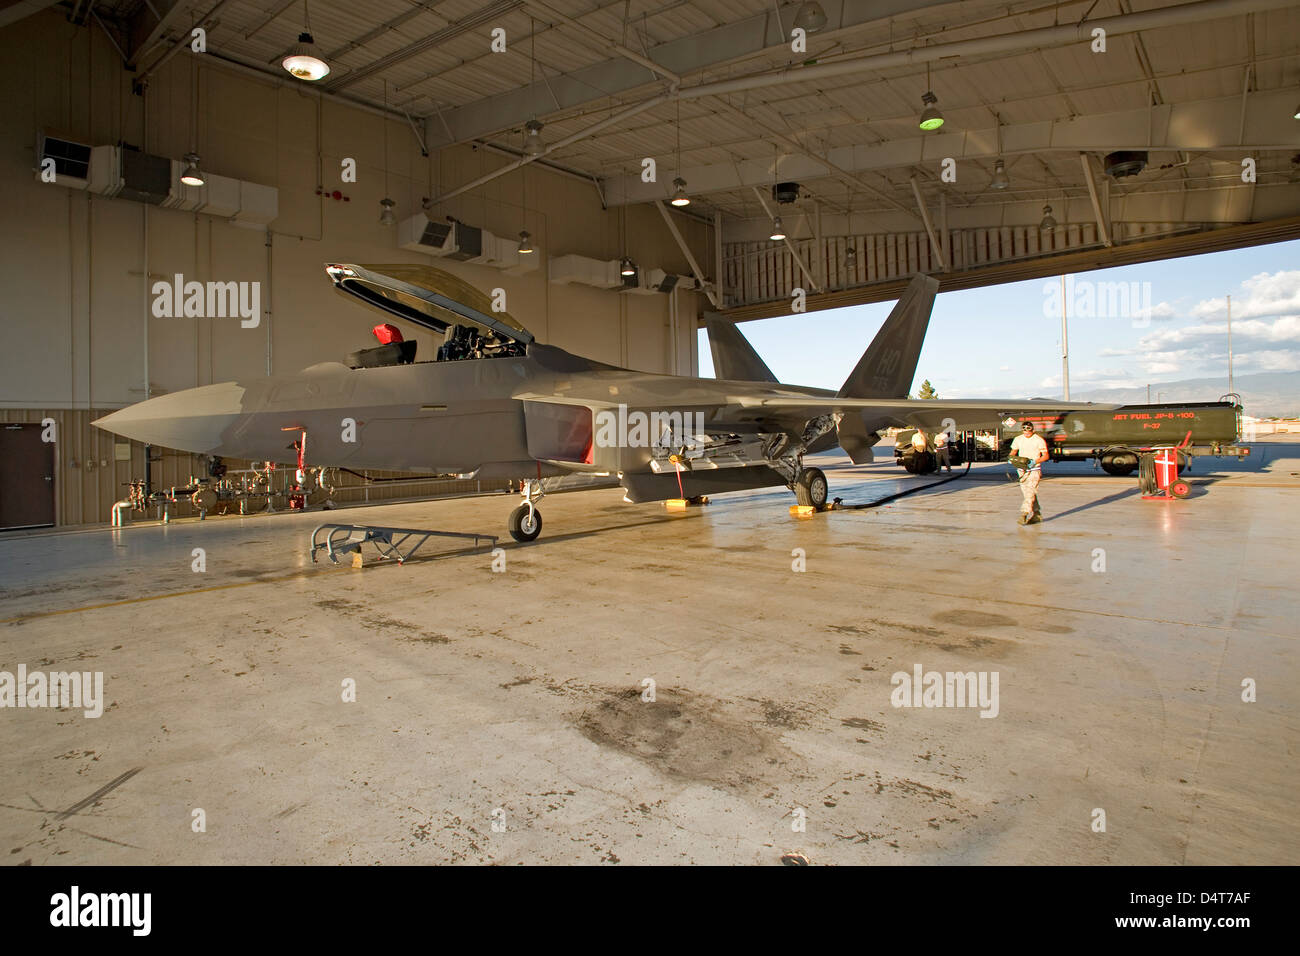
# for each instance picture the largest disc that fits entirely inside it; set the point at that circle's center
(396, 543)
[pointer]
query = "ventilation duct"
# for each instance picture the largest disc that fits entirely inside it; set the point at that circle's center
(605, 274)
(124, 173)
(461, 242)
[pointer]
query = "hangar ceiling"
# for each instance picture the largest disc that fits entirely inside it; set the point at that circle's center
(1198, 86)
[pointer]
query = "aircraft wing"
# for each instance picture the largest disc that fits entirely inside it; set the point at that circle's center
(753, 406)
(973, 413)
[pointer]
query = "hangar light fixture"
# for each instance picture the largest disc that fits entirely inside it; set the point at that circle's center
(931, 118)
(626, 267)
(778, 231)
(679, 195)
(1297, 112)
(386, 217)
(533, 144)
(192, 176)
(1000, 178)
(302, 60)
(525, 243)
(810, 18)
(1049, 222)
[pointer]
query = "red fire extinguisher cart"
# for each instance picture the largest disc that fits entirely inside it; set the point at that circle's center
(1158, 471)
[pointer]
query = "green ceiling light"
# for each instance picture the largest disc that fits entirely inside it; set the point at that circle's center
(386, 217)
(1049, 221)
(192, 176)
(525, 243)
(778, 231)
(626, 267)
(931, 118)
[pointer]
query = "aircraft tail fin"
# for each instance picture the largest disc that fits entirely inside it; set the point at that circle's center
(888, 366)
(733, 357)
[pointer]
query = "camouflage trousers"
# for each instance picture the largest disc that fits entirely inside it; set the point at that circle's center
(1029, 488)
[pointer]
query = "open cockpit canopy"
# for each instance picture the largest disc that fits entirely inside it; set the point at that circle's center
(429, 297)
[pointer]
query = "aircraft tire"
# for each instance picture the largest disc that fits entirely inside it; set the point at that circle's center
(525, 523)
(811, 489)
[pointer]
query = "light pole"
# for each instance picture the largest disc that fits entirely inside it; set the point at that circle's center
(1065, 346)
(1229, 345)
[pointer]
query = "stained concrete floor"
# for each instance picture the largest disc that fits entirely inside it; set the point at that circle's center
(520, 691)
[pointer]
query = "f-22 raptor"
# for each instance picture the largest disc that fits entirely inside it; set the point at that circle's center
(496, 403)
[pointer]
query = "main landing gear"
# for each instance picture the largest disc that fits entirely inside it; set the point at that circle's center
(810, 488)
(525, 522)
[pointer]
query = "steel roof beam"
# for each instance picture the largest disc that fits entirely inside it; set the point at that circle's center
(712, 48)
(1197, 126)
(1103, 228)
(428, 42)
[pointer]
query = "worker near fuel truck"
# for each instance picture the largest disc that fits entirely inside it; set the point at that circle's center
(1028, 452)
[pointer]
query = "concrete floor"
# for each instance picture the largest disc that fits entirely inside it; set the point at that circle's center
(520, 691)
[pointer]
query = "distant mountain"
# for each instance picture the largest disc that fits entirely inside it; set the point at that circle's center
(1263, 394)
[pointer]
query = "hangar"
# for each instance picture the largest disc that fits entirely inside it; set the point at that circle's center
(646, 685)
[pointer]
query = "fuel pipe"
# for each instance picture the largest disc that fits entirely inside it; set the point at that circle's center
(969, 448)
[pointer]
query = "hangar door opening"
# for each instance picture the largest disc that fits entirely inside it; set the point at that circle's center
(26, 478)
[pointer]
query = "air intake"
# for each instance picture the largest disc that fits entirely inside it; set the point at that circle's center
(71, 159)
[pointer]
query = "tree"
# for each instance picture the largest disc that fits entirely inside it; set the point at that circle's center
(927, 390)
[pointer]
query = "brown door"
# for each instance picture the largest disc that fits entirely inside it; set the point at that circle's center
(26, 477)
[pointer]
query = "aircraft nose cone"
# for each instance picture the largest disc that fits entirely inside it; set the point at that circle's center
(194, 420)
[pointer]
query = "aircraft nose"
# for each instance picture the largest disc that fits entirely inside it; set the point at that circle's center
(194, 420)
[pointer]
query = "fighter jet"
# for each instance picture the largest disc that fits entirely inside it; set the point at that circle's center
(496, 403)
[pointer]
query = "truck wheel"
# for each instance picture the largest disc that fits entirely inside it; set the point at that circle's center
(1120, 465)
(810, 488)
(1180, 489)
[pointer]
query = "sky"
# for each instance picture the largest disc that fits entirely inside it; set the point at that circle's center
(1130, 326)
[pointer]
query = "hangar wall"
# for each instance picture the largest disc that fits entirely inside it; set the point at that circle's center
(77, 267)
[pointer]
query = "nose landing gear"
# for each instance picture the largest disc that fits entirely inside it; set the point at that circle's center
(525, 522)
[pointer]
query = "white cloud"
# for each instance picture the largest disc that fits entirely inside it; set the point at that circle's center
(1264, 294)
(1283, 360)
